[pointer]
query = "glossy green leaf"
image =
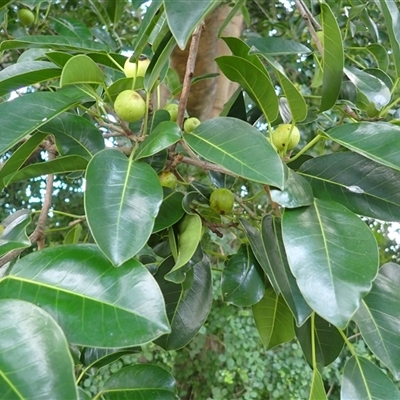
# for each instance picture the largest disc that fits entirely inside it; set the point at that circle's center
(297, 192)
(122, 84)
(54, 42)
(74, 135)
(171, 210)
(81, 69)
(379, 141)
(66, 26)
(238, 147)
(260, 252)
(21, 155)
(73, 235)
(273, 319)
(370, 86)
(189, 234)
(140, 381)
(60, 165)
(164, 135)
(184, 16)
(333, 58)
(380, 54)
(94, 357)
(363, 380)
(363, 186)
(26, 73)
(34, 357)
(378, 319)
(391, 14)
(14, 235)
(328, 342)
(122, 200)
(82, 395)
(95, 303)
(32, 111)
(254, 81)
(188, 304)
(275, 46)
(242, 280)
(334, 257)
(317, 391)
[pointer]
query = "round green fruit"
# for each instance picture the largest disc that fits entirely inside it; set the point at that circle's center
(221, 201)
(190, 124)
(173, 111)
(26, 17)
(285, 136)
(167, 179)
(131, 69)
(129, 106)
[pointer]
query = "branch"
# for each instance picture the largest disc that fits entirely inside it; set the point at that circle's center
(206, 165)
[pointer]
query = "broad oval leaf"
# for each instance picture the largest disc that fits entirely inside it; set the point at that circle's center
(273, 319)
(171, 210)
(14, 235)
(238, 147)
(34, 356)
(26, 73)
(363, 186)
(66, 26)
(95, 303)
(188, 304)
(363, 380)
(275, 46)
(122, 200)
(378, 317)
(317, 391)
(334, 257)
(378, 141)
(141, 381)
(254, 81)
(81, 69)
(242, 280)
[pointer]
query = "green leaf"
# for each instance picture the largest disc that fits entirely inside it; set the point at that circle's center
(66, 26)
(275, 46)
(60, 165)
(328, 341)
(374, 89)
(188, 304)
(164, 135)
(317, 391)
(14, 234)
(21, 155)
(73, 235)
(297, 192)
(171, 210)
(273, 244)
(378, 141)
(238, 147)
(141, 381)
(377, 317)
(26, 73)
(122, 200)
(363, 186)
(31, 111)
(183, 17)
(273, 319)
(242, 280)
(380, 54)
(74, 135)
(55, 43)
(81, 69)
(189, 234)
(34, 355)
(362, 380)
(255, 82)
(334, 257)
(333, 58)
(104, 307)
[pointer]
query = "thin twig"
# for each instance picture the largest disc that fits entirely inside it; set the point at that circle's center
(205, 165)
(310, 16)
(240, 201)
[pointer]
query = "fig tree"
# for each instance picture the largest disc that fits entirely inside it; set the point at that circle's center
(25, 16)
(167, 179)
(172, 108)
(190, 124)
(131, 69)
(285, 136)
(221, 201)
(129, 106)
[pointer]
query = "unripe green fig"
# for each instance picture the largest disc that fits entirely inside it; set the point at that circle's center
(131, 69)
(285, 136)
(221, 201)
(129, 106)
(167, 179)
(25, 16)
(173, 111)
(190, 124)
